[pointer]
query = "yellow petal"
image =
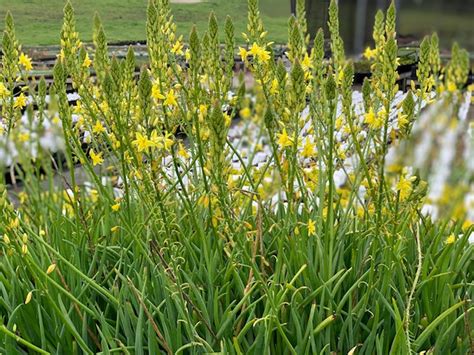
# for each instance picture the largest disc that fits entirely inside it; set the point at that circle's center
(28, 297)
(50, 269)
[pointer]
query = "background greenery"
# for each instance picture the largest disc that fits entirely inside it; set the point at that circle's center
(39, 22)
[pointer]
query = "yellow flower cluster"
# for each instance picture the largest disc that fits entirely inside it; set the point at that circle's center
(143, 143)
(256, 52)
(25, 61)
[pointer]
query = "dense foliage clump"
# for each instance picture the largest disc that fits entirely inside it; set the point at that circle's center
(296, 216)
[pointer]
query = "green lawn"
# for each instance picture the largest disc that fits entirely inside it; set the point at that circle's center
(38, 22)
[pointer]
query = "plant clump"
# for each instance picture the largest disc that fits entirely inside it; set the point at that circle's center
(297, 214)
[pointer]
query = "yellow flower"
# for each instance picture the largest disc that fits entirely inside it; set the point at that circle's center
(28, 297)
(275, 88)
(56, 120)
(284, 140)
(370, 53)
(50, 269)
(115, 142)
(340, 76)
(98, 128)
(142, 142)
(311, 227)
(259, 52)
(25, 61)
(204, 201)
(60, 56)
(264, 56)
(171, 99)
(20, 101)
(243, 53)
(155, 140)
(182, 152)
(369, 117)
(114, 229)
(451, 239)
(202, 112)
(116, 207)
(339, 122)
(4, 92)
(14, 224)
(24, 137)
(87, 61)
(306, 63)
(308, 149)
(94, 195)
(156, 93)
(404, 187)
(23, 197)
(167, 141)
(177, 48)
(374, 121)
(227, 119)
(245, 113)
(402, 120)
(451, 87)
(96, 158)
(467, 224)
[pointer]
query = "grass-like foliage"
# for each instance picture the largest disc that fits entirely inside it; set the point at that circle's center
(350, 236)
